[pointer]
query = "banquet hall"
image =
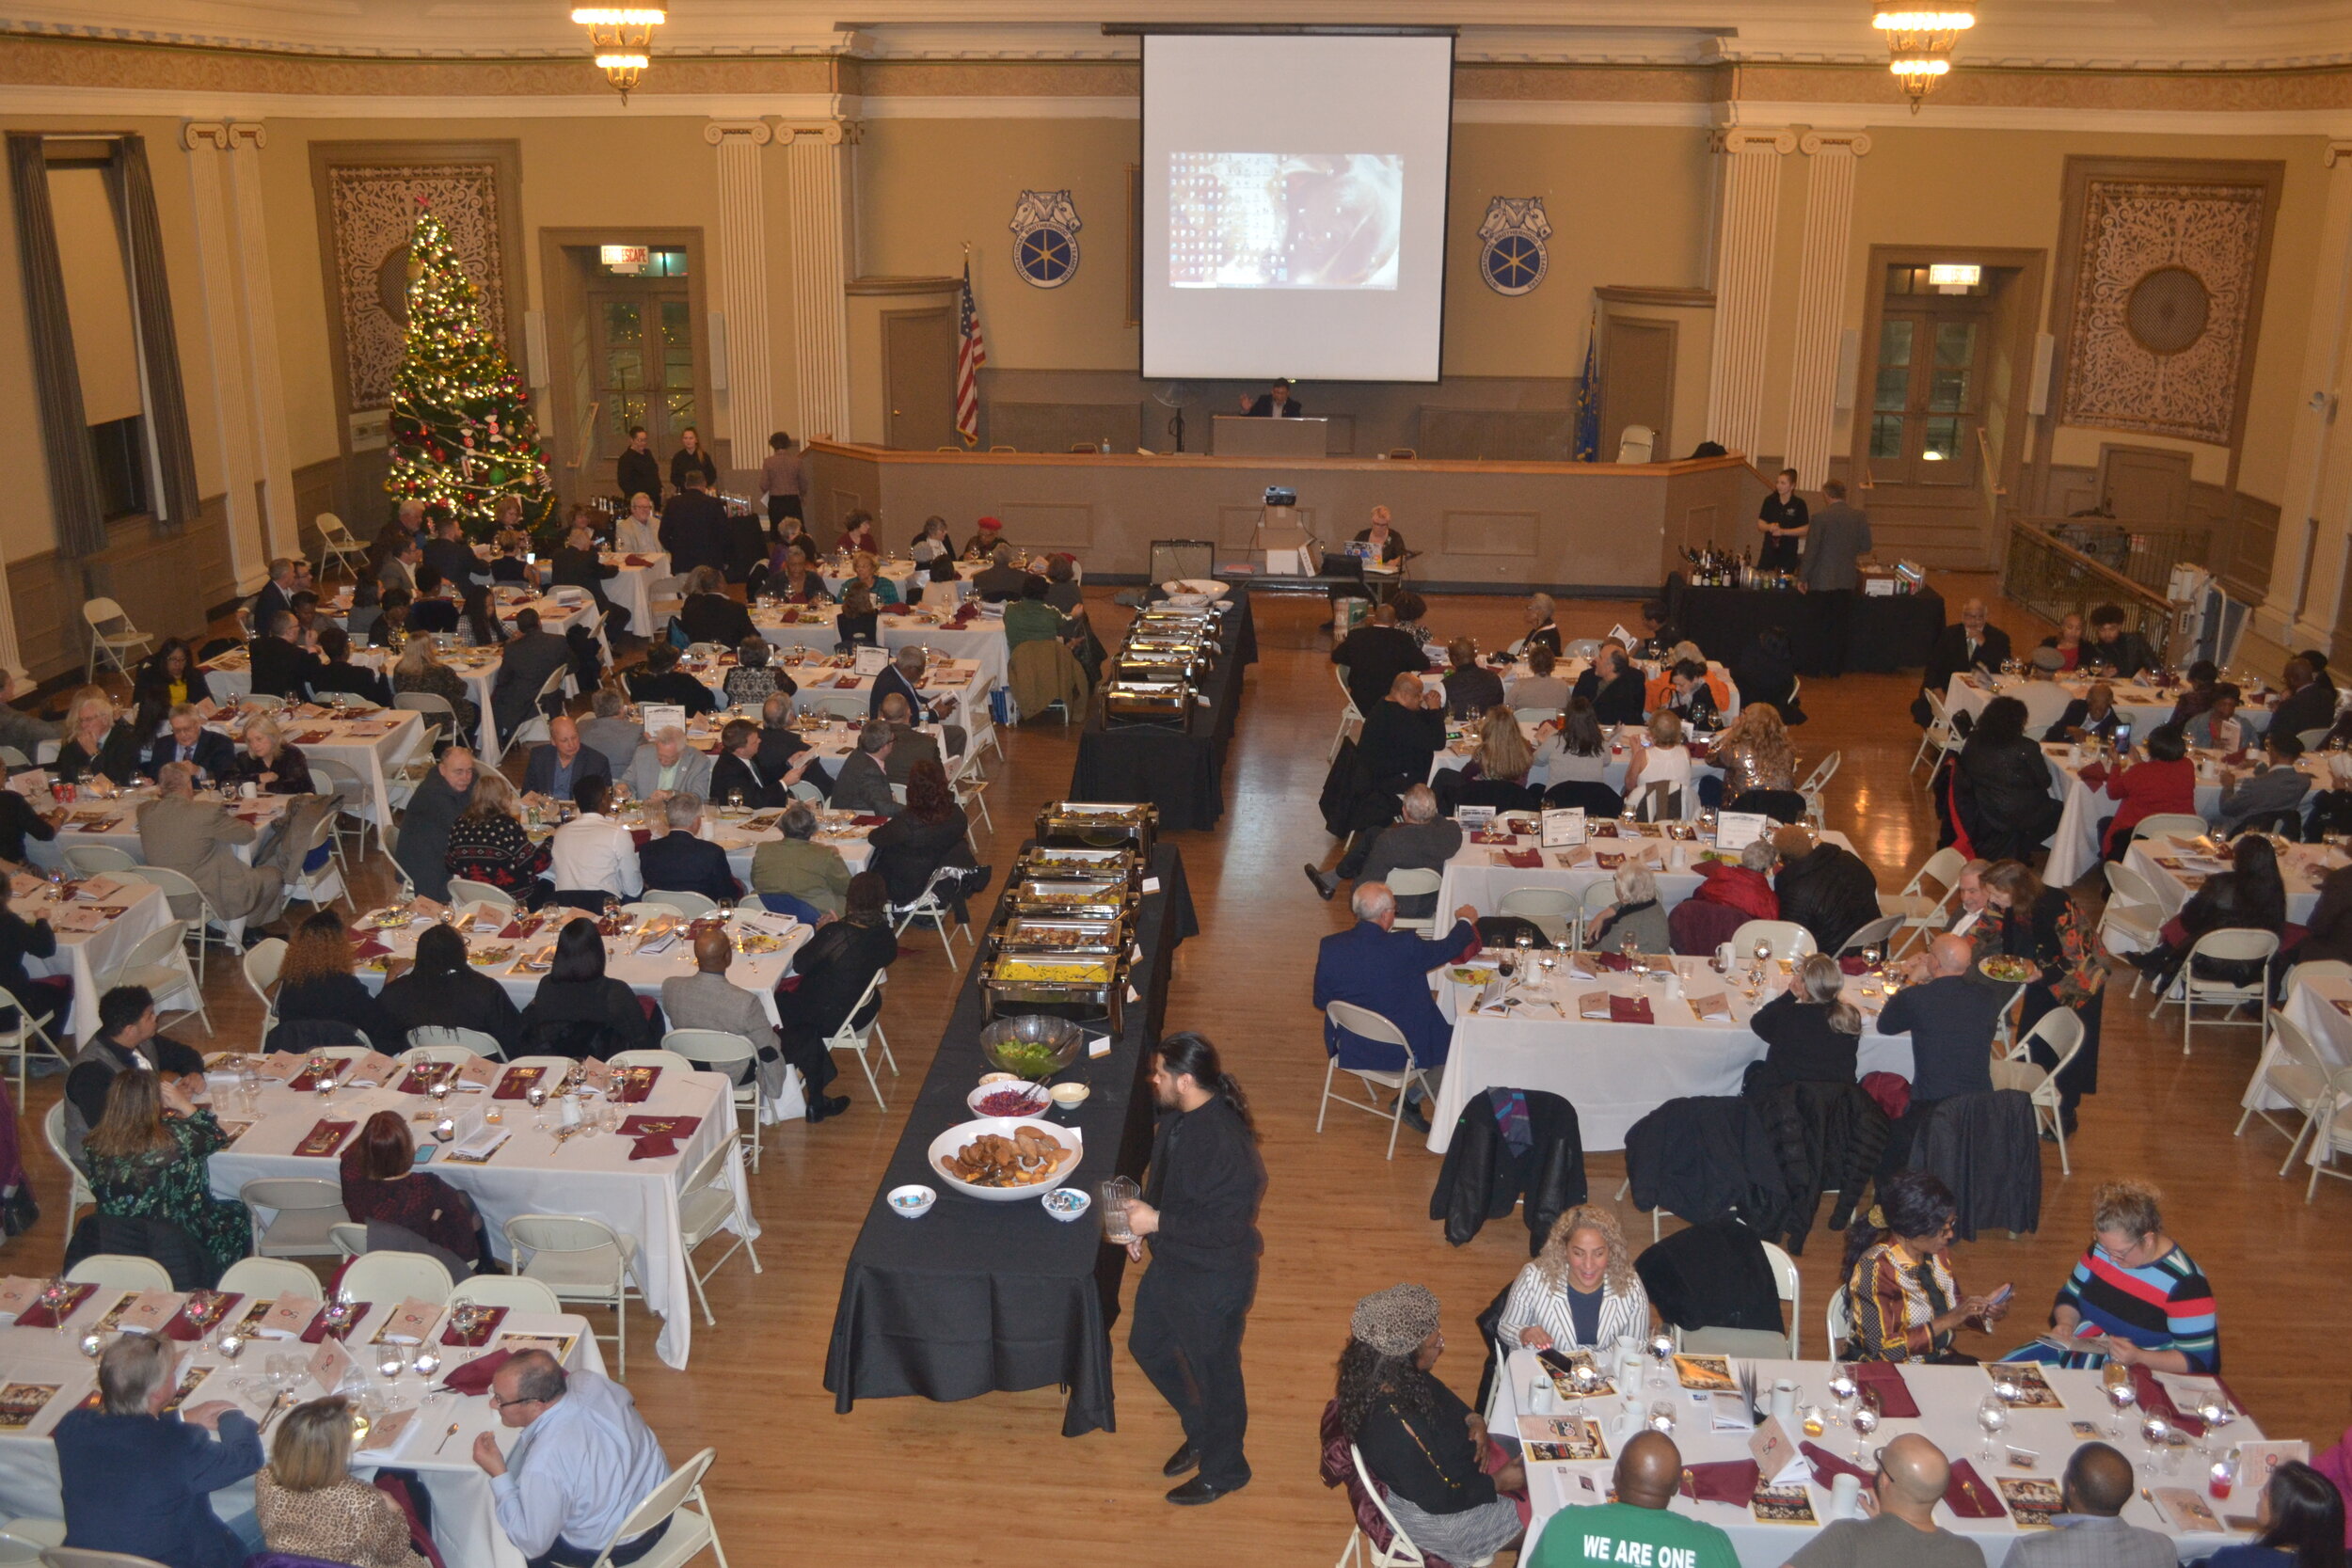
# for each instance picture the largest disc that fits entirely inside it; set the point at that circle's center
(732, 513)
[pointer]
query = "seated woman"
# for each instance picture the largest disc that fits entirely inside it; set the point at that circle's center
(931, 541)
(2250, 895)
(752, 680)
(509, 559)
(307, 1500)
(1574, 751)
(2043, 924)
(479, 622)
(316, 980)
(928, 833)
(797, 581)
(489, 843)
(1542, 632)
(1429, 1451)
(710, 613)
(381, 1182)
(1539, 687)
(1691, 697)
(147, 1160)
(857, 533)
(389, 629)
(2068, 640)
(421, 670)
(1728, 896)
(1811, 1032)
(170, 676)
(1504, 756)
(2134, 1296)
(97, 744)
(1032, 618)
(859, 623)
(1581, 1291)
(269, 761)
(579, 1011)
(1636, 917)
(2002, 787)
(1900, 1294)
(441, 990)
(835, 967)
(1061, 584)
(2166, 781)
(1663, 764)
(2298, 1523)
(865, 568)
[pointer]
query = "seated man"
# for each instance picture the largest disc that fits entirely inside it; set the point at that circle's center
(126, 1034)
(909, 745)
(212, 754)
(799, 867)
(2124, 654)
(282, 667)
(666, 765)
(584, 1461)
(1901, 1531)
(339, 673)
(1614, 686)
(659, 680)
(2311, 700)
(1826, 889)
(1470, 687)
(904, 678)
(1420, 841)
(1640, 1526)
(678, 861)
(780, 746)
(707, 999)
(862, 785)
(1387, 971)
(1373, 655)
(137, 1480)
(2219, 728)
(199, 839)
(592, 853)
(557, 767)
(2276, 785)
(1951, 1012)
(2097, 1484)
(610, 733)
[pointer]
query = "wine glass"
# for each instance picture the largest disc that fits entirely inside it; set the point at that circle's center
(1525, 941)
(1662, 1350)
(231, 1347)
(2117, 1381)
(1872, 955)
(537, 1095)
(1844, 1388)
(2156, 1432)
(2214, 1409)
(1865, 1421)
(389, 1360)
(1661, 1417)
(1993, 1416)
(427, 1362)
(1550, 965)
(1506, 962)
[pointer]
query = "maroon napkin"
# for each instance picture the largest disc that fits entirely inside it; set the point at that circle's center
(191, 1325)
(317, 1331)
(370, 949)
(653, 1146)
(636, 560)
(1611, 960)
(38, 1316)
(517, 1081)
(1827, 1467)
(1852, 966)
(868, 821)
(474, 1376)
(640, 836)
(659, 1126)
(1885, 1379)
(2094, 775)
(1523, 860)
(481, 1336)
(2156, 1400)
(1630, 1009)
(1727, 1481)
(2235, 759)
(1968, 1497)
(632, 1086)
(423, 1076)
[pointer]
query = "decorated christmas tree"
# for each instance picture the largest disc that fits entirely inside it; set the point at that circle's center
(462, 435)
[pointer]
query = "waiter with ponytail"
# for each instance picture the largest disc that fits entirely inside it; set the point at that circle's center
(1199, 1213)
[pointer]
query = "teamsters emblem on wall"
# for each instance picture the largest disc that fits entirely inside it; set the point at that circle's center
(1045, 238)
(1514, 259)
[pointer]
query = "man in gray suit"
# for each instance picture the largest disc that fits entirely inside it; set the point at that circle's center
(523, 668)
(610, 731)
(1833, 547)
(2091, 1533)
(668, 767)
(424, 845)
(907, 745)
(707, 999)
(864, 782)
(197, 839)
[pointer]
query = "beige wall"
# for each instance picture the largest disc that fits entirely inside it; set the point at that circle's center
(97, 293)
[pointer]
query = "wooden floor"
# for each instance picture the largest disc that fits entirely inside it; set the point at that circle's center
(908, 1482)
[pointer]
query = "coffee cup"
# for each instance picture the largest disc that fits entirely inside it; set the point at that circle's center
(1845, 1496)
(1784, 1400)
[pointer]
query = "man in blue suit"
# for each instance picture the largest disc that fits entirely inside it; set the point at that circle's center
(1377, 967)
(212, 752)
(137, 1481)
(678, 862)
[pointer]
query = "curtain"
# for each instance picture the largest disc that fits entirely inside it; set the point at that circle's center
(159, 345)
(56, 376)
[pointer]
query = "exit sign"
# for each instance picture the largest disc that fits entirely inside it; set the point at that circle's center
(625, 258)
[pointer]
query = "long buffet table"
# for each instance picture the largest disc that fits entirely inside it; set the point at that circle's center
(1179, 769)
(975, 1297)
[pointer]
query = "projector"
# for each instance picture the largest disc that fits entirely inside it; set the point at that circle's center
(1277, 496)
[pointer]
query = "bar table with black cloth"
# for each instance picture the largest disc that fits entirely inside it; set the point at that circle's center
(1180, 771)
(976, 1296)
(1890, 632)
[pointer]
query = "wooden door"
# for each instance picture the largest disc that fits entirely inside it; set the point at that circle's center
(919, 378)
(1928, 395)
(1637, 383)
(2145, 484)
(640, 344)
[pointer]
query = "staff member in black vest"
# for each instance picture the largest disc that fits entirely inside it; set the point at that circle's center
(1782, 520)
(639, 471)
(1200, 1210)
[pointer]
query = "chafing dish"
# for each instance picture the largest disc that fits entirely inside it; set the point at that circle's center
(1045, 861)
(1089, 985)
(1056, 936)
(1099, 825)
(1070, 898)
(1165, 700)
(1159, 664)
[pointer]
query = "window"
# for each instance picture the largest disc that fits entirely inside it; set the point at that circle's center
(118, 450)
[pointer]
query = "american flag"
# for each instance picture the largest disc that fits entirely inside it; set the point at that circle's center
(971, 353)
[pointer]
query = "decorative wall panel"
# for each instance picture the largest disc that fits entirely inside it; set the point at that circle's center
(2166, 286)
(373, 210)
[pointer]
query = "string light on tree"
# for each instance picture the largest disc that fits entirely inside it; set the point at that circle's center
(462, 435)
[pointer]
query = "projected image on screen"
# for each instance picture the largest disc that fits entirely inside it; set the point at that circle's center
(1284, 220)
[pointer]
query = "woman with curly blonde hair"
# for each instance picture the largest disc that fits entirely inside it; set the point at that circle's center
(1503, 753)
(1581, 1291)
(1754, 752)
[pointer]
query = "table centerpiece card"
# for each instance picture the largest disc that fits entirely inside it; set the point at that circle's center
(411, 1322)
(1783, 1505)
(2033, 1502)
(21, 1403)
(148, 1310)
(1561, 1439)
(287, 1317)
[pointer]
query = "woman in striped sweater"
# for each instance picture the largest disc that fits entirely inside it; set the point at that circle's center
(2135, 1296)
(1581, 1291)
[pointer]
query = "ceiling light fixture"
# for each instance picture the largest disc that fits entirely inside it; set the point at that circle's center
(622, 40)
(1919, 46)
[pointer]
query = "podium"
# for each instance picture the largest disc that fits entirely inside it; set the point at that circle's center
(1243, 435)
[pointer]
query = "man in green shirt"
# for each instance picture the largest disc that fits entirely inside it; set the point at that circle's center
(1640, 1530)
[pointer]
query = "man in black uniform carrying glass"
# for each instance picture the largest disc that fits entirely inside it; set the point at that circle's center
(1199, 1213)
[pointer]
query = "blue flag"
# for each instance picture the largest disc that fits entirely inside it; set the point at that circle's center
(1587, 447)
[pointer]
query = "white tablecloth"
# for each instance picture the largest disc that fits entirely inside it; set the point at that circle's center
(464, 1524)
(982, 640)
(1948, 1399)
(2302, 866)
(1479, 876)
(531, 1174)
(83, 955)
(2143, 706)
(1614, 1074)
(2074, 843)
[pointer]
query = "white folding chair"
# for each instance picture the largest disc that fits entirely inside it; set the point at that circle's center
(1786, 1284)
(668, 1061)
(1879, 933)
(2292, 1069)
(1933, 739)
(25, 1541)
(842, 705)
(352, 800)
(90, 860)
(120, 1271)
(432, 1042)
(971, 793)
(2061, 1030)
(177, 888)
(18, 1039)
(337, 544)
(390, 1276)
(2229, 944)
(1921, 910)
(2317, 969)
(2166, 823)
(1817, 781)
(693, 906)
(261, 963)
(2331, 1131)
(1413, 883)
(1839, 1321)
(159, 961)
(325, 885)
(1557, 911)
(534, 728)
(732, 1056)
(2132, 921)
(1790, 940)
(690, 1528)
(1400, 1552)
(301, 1208)
(77, 1185)
(464, 891)
(933, 906)
(267, 1278)
(112, 635)
(1364, 1022)
(860, 1039)
(1349, 713)
(512, 1291)
(648, 906)
(580, 1259)
(708, 1202)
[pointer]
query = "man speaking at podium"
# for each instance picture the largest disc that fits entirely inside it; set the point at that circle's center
(1276, 403)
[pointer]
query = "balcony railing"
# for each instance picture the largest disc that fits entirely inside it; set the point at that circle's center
(2052, 577)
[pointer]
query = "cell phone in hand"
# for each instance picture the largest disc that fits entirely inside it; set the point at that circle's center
(2000, 1297)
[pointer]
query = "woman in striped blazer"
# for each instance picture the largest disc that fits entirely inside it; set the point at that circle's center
(1581, 1291)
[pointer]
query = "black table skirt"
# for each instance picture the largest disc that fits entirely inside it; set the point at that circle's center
(976, 1297)
(1180, 771)
(1889, 634)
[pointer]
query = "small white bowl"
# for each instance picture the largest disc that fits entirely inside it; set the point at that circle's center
(1069, 1096)
(989, 1079)
(912, 1202)
(1068, 1203)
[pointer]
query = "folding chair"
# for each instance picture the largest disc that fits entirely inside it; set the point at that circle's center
(1370, 1025)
